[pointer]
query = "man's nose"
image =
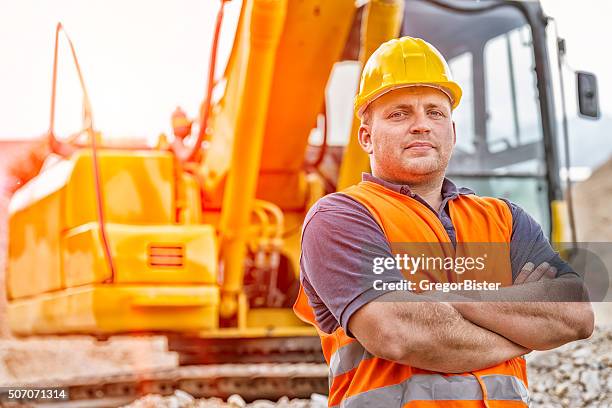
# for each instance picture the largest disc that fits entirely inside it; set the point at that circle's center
(420, 124)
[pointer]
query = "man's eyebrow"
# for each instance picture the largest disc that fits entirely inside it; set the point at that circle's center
(400, 106)
(428, 105)
(433, 105)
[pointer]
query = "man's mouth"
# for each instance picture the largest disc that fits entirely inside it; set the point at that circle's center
(419, 146)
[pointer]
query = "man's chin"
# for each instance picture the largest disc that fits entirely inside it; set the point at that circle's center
(421, 168)
(422, 172)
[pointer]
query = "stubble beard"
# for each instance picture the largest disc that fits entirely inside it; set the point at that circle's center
(419, 170)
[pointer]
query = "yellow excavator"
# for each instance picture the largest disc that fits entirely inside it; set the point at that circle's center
(198, 241)
(199, 238)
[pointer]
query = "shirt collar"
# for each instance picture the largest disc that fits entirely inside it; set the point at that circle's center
(449, 189)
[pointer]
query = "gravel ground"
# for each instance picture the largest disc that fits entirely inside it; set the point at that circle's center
(578, 374)
(181, 399)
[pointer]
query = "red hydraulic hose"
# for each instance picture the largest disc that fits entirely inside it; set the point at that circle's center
(211, 79)
(323, 149)
(100, 209)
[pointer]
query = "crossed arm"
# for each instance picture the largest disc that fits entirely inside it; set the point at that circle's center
(428, 331)
(464, 336)
(538, 313)
(429, 335)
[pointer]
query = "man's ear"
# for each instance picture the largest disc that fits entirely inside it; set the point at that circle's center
(454, 134)
(365, 138)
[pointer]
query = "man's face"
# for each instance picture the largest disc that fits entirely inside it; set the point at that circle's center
(409, 135)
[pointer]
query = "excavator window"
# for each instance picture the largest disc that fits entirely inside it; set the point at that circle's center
(500, 150)
(500, 147)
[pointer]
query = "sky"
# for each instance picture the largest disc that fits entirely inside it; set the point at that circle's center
(142, 59)
(585, 25)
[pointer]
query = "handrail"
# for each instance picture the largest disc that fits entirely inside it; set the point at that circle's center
(66, 150)
(87, 113)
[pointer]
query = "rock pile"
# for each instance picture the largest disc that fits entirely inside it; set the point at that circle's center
(578, 374)
(181, 399)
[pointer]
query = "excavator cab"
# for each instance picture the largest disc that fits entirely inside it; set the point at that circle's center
(508, 135)
(492, 50)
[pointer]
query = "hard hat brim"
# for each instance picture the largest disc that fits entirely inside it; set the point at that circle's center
(451, 89)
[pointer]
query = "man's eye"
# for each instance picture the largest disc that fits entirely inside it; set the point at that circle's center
(397, 115)
(436, 113)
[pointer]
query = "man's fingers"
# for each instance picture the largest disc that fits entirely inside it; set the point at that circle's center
(531, 274)
(524, 274)
(537, 274)
(551, 273)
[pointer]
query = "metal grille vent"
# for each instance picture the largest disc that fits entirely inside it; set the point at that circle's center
(166, 255)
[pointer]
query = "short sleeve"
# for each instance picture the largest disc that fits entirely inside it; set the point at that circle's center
(340, 241)
(529, 244)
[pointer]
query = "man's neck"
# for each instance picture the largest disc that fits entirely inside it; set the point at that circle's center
(429, 190)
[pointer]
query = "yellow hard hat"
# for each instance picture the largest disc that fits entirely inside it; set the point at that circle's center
(401, 63)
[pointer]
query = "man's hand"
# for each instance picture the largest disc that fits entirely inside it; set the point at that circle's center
(529, 274)
(547, 312)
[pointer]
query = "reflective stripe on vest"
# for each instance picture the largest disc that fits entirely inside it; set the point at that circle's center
(347, 358)
(435, 387)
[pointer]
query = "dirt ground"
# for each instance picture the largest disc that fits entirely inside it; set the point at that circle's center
(53, 360)
(593, 211)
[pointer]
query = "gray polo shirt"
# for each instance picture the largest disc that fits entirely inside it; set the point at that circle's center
(340, 236)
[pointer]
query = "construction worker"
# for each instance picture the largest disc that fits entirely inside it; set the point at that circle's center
(393, 348)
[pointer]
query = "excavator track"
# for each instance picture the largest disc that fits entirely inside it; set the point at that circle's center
(269, 368)
(194, 350)
(250, 381)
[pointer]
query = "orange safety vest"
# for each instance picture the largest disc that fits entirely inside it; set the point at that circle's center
(359, 379)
